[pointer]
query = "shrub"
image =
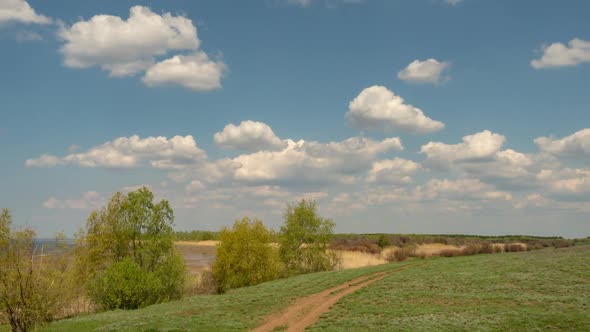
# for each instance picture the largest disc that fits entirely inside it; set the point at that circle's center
(383, 241)
(244, 256)
(486, 248)
(124, 285)
(450, 252)
(514, 247)
(401, 254)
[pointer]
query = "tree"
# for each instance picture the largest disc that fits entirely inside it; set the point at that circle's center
(130, 239)
(245, 256)
(32, 285)
(304, 239)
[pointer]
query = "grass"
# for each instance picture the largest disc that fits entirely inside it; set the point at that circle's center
(533, 291)
(538, 290)
(238, 310)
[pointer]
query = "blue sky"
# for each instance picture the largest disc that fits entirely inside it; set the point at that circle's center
(428, 116)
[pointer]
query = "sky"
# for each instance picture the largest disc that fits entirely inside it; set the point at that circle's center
(395, 116)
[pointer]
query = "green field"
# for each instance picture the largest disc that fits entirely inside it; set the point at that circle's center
(539, 290)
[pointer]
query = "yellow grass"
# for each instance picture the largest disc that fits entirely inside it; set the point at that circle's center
(354, 259)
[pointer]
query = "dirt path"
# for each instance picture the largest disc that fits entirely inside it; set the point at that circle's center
(307, 311)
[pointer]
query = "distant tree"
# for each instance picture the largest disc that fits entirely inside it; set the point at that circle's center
(245, 256)
(304, 239)
(130, 240)
(383, 241)
(33, 286)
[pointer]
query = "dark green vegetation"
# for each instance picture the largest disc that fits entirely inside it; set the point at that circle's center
(126, 257)
(538, 290)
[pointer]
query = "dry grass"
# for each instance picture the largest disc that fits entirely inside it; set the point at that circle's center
(355, 259)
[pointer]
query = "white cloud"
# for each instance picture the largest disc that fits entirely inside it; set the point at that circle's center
(566, 181)
(428, 71)
(249, 136)
(453, 2)
(461, 189)
(312, 162)
(194, 186)
(126, 47)
(129, 152)
(477, 147)
(90, 200)
(395, 171)
(196, 72)
(20, 11)
(377, 108)
(576, 144)
(328, 3)
(560, 55)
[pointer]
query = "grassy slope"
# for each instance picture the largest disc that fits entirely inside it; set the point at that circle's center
(237, 310)
(541, 290)
(544, 290)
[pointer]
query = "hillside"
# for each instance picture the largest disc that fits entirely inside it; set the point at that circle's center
(543, 289)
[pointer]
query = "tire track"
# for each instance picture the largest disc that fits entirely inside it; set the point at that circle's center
(306, 311)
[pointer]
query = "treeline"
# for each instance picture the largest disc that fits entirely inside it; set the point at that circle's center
(374, 241)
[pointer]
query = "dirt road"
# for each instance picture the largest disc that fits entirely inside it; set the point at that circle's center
(306, 311)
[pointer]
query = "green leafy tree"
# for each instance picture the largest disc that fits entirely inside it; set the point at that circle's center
(33, 286)
(245, 256)
(304, 239)
(131, 234)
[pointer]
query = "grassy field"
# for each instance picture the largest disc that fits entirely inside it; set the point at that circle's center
(538, 290)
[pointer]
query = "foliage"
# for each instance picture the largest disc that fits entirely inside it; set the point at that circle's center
(33, 285)
(130, 229)
(304, 239)
(245, 256)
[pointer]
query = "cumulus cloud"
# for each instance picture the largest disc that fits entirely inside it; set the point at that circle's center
(576, 144)
(428, 71)
(559, 55)
(462, 189)
(566, 181)
(20, 11)
(129, 152)
(377, 108)
(196, 72)
(249, 136)
(311, 162)
(477, 147)
(125, 47)
(90, 200)
(395, 171)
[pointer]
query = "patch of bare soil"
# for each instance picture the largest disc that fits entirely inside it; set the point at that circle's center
(307, 311)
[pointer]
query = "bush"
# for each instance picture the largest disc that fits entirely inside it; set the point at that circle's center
(125, 286)
(244, 256)
(401, 254)
(514, 247)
